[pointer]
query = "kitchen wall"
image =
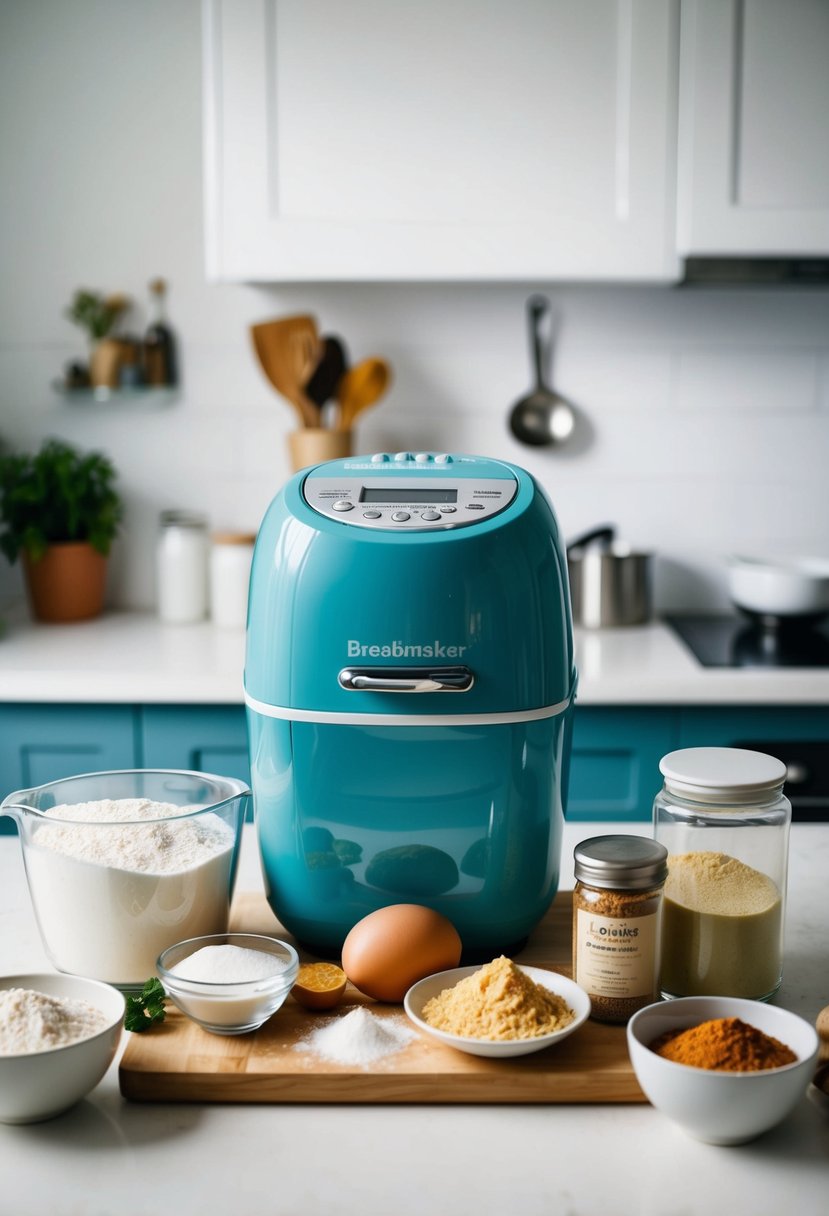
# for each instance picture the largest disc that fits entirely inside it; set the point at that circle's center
(706, 412)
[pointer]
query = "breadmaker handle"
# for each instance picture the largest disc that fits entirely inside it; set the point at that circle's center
(406, 679)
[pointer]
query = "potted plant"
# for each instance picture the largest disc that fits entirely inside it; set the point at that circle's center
(59, 512)
(98, 315)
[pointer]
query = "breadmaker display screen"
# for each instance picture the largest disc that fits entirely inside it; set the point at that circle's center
(411, 495)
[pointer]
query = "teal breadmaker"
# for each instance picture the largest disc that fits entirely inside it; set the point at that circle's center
(409, 682)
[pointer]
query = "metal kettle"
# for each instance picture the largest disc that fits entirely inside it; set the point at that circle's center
(610, 584)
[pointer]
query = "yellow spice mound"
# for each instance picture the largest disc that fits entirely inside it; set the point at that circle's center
(719, 884)
(498, 1002)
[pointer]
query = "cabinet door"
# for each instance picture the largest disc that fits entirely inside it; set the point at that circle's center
(40, 743)
(614, 770)
(797, 736)
(207, 738)
(753, 150)
(370, 141)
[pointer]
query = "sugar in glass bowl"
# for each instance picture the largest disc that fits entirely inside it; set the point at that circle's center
(714, 1106)
(229, 1005)
(39, 1085)
(123, 864)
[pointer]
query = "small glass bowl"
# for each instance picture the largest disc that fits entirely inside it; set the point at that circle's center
(229, 1008)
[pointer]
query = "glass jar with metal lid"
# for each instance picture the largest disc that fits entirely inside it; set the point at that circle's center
(616, 922)
(181, 567)
(724, 820)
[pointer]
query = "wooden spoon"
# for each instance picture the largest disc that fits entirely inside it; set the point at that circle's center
(288, 350)
(360, 387)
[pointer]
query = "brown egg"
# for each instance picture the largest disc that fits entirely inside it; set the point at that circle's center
(391, 949)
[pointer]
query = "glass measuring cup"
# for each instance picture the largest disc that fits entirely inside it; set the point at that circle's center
(112, 884)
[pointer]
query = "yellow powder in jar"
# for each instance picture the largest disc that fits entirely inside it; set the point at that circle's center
(498, 1002)
(721, 928)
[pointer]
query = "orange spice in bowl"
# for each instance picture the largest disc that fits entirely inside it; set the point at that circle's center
(725, 1045)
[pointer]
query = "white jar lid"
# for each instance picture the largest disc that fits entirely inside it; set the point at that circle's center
(706, 774)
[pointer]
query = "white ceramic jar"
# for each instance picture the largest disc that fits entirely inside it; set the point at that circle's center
(231, 554)
(182, 567)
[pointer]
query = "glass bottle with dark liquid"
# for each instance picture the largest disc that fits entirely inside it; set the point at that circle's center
(159, 346)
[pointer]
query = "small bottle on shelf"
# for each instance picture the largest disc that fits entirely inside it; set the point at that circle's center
(159, 344)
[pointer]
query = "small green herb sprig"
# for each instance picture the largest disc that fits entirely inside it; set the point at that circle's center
(96, 313)
(147, 1009)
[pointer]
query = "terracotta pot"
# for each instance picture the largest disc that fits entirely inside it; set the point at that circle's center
(104, 362)
(67, 583)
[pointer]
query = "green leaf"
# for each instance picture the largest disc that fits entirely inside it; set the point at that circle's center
(58, 494)
(147, 1009)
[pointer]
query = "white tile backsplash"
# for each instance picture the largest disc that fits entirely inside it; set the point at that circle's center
(704, 414)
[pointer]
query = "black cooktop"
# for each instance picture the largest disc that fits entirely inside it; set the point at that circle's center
(739, 641)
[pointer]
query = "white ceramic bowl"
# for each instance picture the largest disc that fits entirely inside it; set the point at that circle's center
(794, 587)
(721, 1107)
(42, 1084)
(433, 985)
(229, 1008)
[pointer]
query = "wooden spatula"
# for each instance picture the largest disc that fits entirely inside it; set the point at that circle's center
(288, 351)
(361, 386)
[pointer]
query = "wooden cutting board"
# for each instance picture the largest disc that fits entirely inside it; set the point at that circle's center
(180, 1062)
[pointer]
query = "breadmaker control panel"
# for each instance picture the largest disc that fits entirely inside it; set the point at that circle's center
(410, 491)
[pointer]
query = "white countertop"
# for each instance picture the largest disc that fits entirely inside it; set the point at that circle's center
(108, 1157)
(131, 657)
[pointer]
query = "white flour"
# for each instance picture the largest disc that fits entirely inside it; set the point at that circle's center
(32, 1021)
(359, 1038)
(111, 896)
(228, 965)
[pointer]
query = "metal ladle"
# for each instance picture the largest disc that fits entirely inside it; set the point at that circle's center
(543, 418)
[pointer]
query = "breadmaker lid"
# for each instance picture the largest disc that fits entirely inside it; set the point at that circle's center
(418, 585)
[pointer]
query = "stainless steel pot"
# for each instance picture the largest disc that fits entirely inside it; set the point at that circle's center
(610, 584)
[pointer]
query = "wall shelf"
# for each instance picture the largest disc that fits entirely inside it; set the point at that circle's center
(92, 396)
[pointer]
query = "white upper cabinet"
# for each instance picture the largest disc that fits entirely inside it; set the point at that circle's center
(444, 139)
(753, 135)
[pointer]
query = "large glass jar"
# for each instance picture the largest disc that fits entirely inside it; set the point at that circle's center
(724, 820)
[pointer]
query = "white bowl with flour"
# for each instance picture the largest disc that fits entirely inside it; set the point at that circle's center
(122, 865)
(58, 1036)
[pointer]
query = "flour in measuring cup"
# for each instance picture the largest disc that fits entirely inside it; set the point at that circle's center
(115, 882)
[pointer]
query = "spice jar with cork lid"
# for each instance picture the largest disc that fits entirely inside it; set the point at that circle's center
(616, 922)
(725, 821)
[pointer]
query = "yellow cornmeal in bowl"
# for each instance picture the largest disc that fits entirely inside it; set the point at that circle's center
(498, 1002)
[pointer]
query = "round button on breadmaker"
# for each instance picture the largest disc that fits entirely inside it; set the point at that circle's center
(430, 516)
(343, 505)
(402, 456)
(372, 515)
(448, 510)
(400, 517)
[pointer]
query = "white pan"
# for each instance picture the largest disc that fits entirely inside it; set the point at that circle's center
(785, 587)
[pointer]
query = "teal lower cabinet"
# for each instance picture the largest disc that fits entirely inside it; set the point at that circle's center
(796, 735)
(615, 774)
(207, 738)
(40, 743)
(760, 728)
(614, 769)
